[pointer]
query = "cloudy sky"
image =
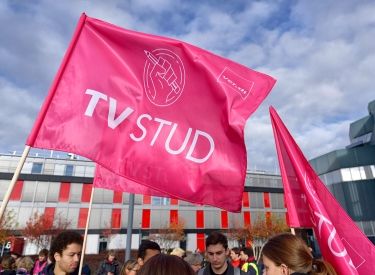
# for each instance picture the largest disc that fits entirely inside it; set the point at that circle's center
(321, 53)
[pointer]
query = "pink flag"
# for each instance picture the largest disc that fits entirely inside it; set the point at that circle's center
(310, 204)
(157, 111)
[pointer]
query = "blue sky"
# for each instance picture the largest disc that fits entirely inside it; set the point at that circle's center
(321, 53)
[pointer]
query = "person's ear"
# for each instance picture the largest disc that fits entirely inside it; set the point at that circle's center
(57, 257)
(140, 261)
(284, 269)
(227, 251)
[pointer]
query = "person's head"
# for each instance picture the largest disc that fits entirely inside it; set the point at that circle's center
(43, 255)
(17, 256)
(66, 251)
(217, 251)
(146, 250)
(235, 253)
(287, 253)
(195, 261)
(8, 262)
(164, 264)
(26, 263)
(246, 253)
(178, 252)
(130, 267)
(111, 255)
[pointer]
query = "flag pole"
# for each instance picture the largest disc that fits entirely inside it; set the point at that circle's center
(86, 229)
(129, 231)
(292, 231)
(14, 180)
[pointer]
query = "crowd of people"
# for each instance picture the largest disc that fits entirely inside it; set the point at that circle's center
(284, 254)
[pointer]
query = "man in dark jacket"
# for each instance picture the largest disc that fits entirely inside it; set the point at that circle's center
(65, 253)
(110, 265)
(217, 251)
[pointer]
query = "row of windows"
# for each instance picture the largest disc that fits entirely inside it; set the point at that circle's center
(41, 166)
(349, 174)
(364, 138)
(148, 218)
(263, 181)
(367, 227)
(52, 192)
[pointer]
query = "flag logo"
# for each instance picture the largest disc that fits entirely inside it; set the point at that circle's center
(163, 77)
(235, 82)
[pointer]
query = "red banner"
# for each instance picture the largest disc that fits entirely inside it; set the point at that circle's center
(154, 110)
(310, 204)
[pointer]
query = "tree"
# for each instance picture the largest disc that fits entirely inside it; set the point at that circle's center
(236, 232)
(8, 224)
(169, 233)
(40, 229)
(110, 231)
(264, 227)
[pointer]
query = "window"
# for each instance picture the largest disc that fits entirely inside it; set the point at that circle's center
(37, 168)
(69, 170)
(160, 201)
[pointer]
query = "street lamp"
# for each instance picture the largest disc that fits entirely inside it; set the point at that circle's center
(140, 233)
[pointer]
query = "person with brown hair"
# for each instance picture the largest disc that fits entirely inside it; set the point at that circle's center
(235, 256)
(110, 265)
(130, 267)
(41, 262)
(287, 254)
(164, 264)
(8, 264)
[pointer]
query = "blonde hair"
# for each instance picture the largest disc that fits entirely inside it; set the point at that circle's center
(26, 263)
(178, 251)
(292, 251)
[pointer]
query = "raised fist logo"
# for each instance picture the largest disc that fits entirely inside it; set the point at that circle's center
(164, 77)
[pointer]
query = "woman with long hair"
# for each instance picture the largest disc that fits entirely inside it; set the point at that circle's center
(164, 264)
(130, 267)
(287, 254)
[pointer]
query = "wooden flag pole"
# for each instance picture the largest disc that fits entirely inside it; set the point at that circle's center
(293, 231)
(85, 237)
(14, 180)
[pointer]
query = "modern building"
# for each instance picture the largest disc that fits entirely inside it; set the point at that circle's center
(349, 173)
(62, 184)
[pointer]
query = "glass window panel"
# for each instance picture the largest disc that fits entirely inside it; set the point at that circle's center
(125, 198)
(165, 201)
(368, 137)
(329, 179)
(24, 214)
(216, 219)
(79, 171)
(98, 195)
(76, 192)
(323, 178)
(95, 218)
(4, 188)
(273, 183)
(372, 167)
(189, 216)
(90, 170)
(156, 218)
(4, 165)
(336, 176)
(354, 171)
(108, 196)
(73, 215)
(49, 168)
(156, 201)
(345, 174)
(53, 192)
(362, 172)
(69, 170)
(59, 169)
(106, 217)
(26, 169)
(138, 199)
(367, 228)
(41, 191)
(28, 191)
(37, 168)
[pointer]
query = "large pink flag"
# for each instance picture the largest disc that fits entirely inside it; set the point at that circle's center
(157, 111)
(310, 204)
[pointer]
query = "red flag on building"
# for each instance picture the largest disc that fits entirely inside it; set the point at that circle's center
(310, 204)
(154, 110)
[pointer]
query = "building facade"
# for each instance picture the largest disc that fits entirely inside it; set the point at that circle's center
(349, 173)
(63, 184)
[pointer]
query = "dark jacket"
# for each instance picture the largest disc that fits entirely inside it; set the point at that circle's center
(106, 267)
(8, 272)
(48, 269)
(231, 270)
(22, 271)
